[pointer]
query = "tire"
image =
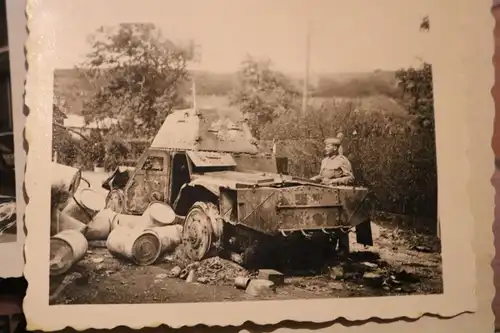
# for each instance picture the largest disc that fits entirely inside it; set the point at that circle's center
(202, 232)
(115, 200)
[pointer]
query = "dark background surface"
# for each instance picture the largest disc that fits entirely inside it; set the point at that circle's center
(13, 290)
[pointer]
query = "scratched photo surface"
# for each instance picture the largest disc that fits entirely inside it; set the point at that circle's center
(228, 153)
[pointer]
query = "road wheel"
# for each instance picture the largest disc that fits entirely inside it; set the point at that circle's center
(202, 231)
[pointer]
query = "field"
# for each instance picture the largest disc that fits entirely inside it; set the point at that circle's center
(382, 104)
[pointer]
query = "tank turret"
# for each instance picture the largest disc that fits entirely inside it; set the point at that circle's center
(206, 129)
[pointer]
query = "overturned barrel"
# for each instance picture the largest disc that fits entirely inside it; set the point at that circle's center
(101, 225)
(241, 282)
(66, 249)
(61, 221)
(170, 237)
(130, 221)
(160, 214)
(85, 204)
(92, 200)
(64, 183)
(142, 247)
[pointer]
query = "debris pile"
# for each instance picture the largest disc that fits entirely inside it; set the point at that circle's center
(219, 271)
(376, 275)
(212, 271)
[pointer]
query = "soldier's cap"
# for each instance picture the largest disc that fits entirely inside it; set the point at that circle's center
(333, 141)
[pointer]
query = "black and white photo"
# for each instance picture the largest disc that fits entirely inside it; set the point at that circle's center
(226, 153)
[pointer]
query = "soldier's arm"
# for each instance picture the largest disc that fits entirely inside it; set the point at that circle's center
(346, 180)
(347, 175)
(318, 176)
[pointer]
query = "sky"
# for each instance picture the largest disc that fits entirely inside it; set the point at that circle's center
(346, 35)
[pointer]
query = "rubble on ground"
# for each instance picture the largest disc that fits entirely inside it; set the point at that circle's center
(213, 271)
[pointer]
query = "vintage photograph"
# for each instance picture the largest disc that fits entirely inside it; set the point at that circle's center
(8, 216)
(244, 161)
(190, 164)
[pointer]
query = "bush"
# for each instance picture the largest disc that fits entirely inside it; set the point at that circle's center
(73, 150)
(390, 153)
(116, 151)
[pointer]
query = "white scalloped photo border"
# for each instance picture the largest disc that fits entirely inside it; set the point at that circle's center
(455, 66)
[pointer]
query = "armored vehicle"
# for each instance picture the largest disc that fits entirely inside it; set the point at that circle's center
(231, 196)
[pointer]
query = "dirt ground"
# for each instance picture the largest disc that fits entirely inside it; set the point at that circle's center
(399, 263)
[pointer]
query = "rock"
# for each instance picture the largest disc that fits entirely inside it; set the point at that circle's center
(337, 272)
(191, 276)
(336, 286)
(202, 280)
(237, 258)
(369, 275)
(274, 276)
(260, 288)
(97, 260)
(424, 249)
(161, 276)
(175, 272)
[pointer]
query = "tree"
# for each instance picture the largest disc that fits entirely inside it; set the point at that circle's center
(136, 75)
(417, 93)
(263, 93)
(417, 88)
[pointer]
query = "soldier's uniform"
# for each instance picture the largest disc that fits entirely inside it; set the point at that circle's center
(337, 166)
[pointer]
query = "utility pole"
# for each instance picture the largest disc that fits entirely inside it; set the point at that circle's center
(196, 58)
(193, 89)
(305, 92)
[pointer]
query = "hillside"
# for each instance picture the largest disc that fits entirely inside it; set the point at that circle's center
(71, 86)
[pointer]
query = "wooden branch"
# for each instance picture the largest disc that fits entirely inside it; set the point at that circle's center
(72, 131)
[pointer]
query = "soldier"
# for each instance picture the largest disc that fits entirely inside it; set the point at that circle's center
(335, 167)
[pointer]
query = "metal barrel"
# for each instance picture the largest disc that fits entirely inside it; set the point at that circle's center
(61, 221)
(76, 209)
(65, 180)
(92, 200)
(170, 237)
(142, 247)
(66, 248)
(241, 282)
(131, 221)
(100, 226)
(160, 213)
